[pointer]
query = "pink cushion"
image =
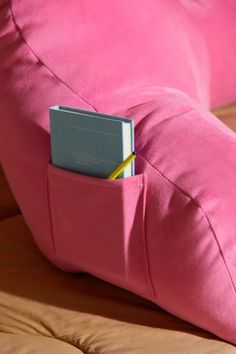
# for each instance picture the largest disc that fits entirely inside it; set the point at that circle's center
(168, 233)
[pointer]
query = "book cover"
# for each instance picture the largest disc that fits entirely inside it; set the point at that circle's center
(90, 143)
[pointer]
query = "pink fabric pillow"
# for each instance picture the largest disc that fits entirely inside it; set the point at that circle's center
(169, 234)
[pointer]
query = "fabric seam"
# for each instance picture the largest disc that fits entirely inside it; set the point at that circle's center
(144, 237)
(19, 30)
(50, 210)
(203, 211)
(118, 186)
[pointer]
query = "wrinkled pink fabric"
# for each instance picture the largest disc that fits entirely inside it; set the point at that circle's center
(170, 230)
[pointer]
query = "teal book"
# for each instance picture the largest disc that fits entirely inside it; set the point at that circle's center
(90, 143)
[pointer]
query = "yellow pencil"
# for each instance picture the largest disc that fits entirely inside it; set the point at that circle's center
(122, 166)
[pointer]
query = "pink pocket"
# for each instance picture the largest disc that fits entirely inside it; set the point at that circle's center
(98, 226)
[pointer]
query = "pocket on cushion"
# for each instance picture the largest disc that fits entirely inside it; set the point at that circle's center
(98, 225)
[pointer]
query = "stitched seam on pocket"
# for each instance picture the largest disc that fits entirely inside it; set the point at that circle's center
(144, 240)
(50, 211)
(94, 184)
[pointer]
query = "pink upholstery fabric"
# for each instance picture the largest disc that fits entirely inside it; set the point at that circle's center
(171, 230)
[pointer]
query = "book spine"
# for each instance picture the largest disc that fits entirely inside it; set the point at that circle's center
(53, 137)
(133, 145)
